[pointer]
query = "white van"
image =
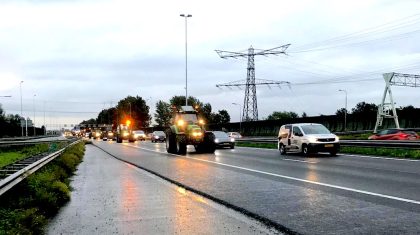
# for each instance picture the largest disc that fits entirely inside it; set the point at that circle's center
(307, 138)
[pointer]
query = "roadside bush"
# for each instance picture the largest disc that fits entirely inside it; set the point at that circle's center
(26, 208)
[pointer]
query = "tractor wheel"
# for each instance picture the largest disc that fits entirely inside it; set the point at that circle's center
(170, 141)
(208, 144)
(181, 145)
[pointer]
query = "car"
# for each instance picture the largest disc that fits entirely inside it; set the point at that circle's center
(96, 134)
(235, 135)
(222, 139)
(307, 138)
(108, 135)
(395, 134)
(139, 135)
(158, 136)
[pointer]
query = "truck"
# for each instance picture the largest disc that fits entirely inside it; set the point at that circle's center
(188, 129)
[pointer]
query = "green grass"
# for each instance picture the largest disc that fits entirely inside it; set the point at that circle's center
(26, 208)
(386, 152)
(10, 157)
(15, 154)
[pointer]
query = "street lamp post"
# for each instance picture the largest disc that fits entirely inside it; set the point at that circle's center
(345, 114)
(186, 58)
(21, 113)
(240, 116)
(33, 123)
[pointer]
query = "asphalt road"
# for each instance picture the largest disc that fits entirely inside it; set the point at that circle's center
(316, 195)
(113, 197)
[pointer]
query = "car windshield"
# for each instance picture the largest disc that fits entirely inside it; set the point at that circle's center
(220, 134)
(315, 129)
(138, 132)
(409, 132)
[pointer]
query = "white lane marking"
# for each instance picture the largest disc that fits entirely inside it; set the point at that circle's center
(295, 160)
(385, 158)
(294, 178)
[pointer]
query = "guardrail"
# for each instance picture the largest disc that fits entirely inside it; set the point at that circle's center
(13, 179)
(412, 144)
(30, 142)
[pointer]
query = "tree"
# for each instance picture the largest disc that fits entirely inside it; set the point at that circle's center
(163, 113)
(224, 116)
(107, 116)
(340, 112)
(365, 109)
(90, 121)
(135, 109)
(282, 115)
(179, 101)
(304, 115)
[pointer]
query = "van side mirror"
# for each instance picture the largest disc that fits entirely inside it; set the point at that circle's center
(284, 135)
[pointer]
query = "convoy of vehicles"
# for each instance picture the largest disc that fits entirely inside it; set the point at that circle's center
(188, 129)
(307, 138)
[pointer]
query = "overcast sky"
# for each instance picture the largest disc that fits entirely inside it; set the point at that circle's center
(79, 57)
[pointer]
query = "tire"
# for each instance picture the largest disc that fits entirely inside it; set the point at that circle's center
(282, 149)
(209, 145)
(181, 145)
(170, 142)
(119, 140)
(333, 153)
(305, 150)
(232, 146)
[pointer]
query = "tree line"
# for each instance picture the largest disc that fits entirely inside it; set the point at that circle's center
(135, 109)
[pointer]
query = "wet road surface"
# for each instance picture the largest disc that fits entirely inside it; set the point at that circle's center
(316, 195)
(112, 197)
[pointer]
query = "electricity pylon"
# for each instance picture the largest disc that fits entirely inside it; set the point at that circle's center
(250, 110)
(384, 109)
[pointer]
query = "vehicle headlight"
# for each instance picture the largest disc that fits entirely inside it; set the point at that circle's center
(111, 134)
(201, 121)
(196, 134)
(232, 139)
(156, 137)
(216, 140)
(136, 135)
(181, 122)
(97, 134)
(337, 139)
(125, 134)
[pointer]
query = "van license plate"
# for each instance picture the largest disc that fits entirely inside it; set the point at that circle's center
(329, 145)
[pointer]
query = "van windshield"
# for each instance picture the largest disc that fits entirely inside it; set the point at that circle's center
(315, 129)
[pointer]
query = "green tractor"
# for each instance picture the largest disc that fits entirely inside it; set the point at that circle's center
(188, 129)
(124, 132)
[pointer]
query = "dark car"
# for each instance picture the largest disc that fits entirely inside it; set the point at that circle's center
(158, 136)
(108, 135)
(222, 139)
(395, 134)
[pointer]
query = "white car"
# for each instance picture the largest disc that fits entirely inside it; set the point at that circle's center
(235, 135)
(307, 138)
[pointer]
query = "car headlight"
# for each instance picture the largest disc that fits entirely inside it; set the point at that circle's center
(216, 140)
(232, 139)
(337, 139)
(156, 137)
(312, 139)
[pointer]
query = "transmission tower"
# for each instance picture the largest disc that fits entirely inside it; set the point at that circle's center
(393, 79)
(250, 110)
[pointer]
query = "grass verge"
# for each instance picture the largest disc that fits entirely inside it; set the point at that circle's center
(386, 152)
(26, 208)
(14, 154)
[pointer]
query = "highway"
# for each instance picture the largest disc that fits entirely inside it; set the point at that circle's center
(315, 195)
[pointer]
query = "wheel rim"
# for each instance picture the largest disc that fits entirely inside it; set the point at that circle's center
(282, 149)
(305, 150)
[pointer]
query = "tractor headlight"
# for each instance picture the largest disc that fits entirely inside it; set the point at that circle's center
(125, 134)
(111, 134)
(196, 134)
(201, 121)
(181, 122)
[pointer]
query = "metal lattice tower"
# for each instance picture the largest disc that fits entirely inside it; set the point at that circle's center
(384, 109)
(250, 109)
